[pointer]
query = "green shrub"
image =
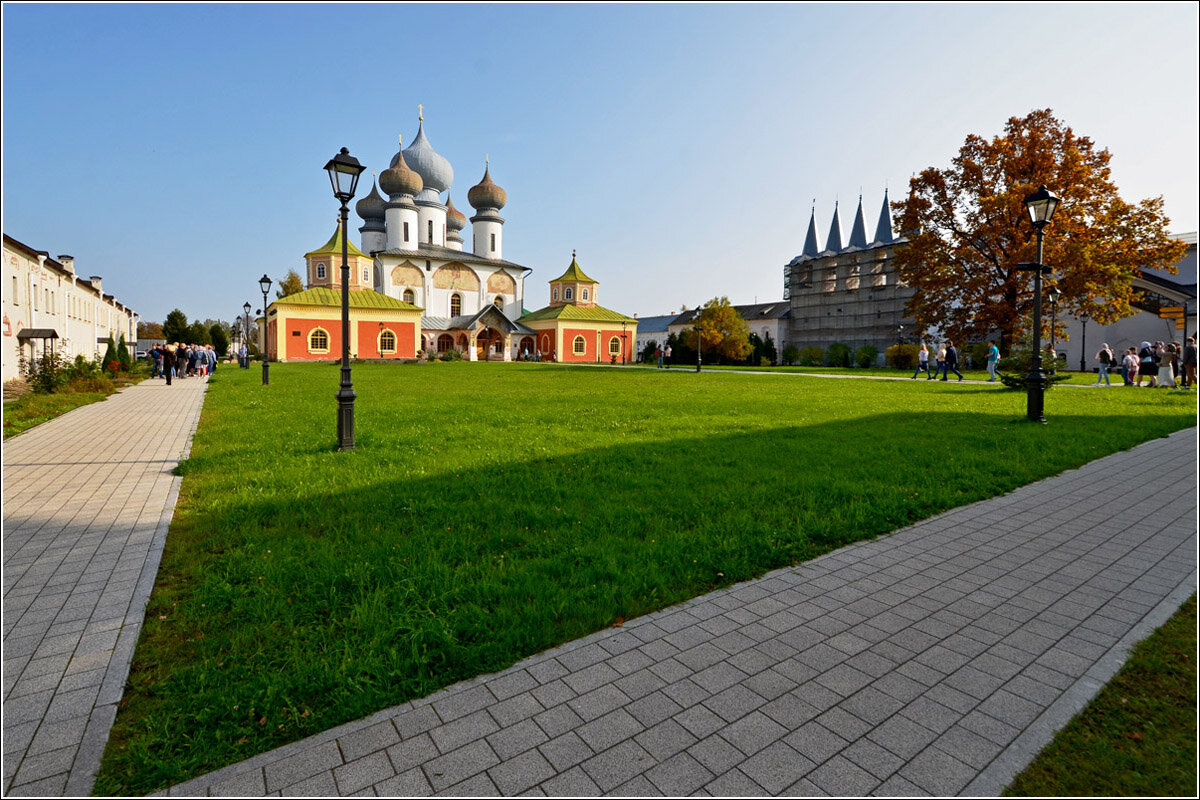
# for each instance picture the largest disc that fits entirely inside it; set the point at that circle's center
(865, 356)
(123, 357)
(451, 355)
(791, 355)
(47, 375)
(902, 356)
(98, 383)
(838, 355)
(812, 357)
(977, 355)
(766, 362)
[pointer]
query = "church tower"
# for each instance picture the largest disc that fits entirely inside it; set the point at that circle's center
(573, 288)
(401, 185)
(323, 266)
(487, 225)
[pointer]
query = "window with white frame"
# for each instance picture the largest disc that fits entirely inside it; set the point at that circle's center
(387, 342)
(320, 272)
(579, 347)
(318, 341)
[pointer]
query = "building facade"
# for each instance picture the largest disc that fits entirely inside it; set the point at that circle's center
(847, 292)
(47, 306)
(765, 320)
(576, 328)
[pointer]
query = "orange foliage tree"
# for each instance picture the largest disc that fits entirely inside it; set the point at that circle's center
(968, 230)
(723, 332)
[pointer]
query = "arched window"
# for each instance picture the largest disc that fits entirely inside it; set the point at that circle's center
(585, 293)
(320, 272)
(387, 343)
(445, 342)
(318, 341)
(455, 305)
(554, 293)
(431, 231)
(366, 275)
(498, 302)
(579, 347)
(568, 293)
(410, 296)
(614, 346)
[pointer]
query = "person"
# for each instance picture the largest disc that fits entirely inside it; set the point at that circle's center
(667, 356)
(168, 362)
(212, 359)
(993, 356)
(659, 353)
(951, 361)
(923, 362)
(941, 362)
(244, 356)
(1105, 358)
(1189, 363)
(1165, 355)
(1147, 366)
(155, 362)
(1130, 365)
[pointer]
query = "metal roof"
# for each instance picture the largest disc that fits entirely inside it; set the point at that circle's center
(465, 322)
(433, 251)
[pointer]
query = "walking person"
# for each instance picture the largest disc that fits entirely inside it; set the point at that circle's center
(1105, 359)
(667, 357)
(168, 359)
(155, 362)
(1189, 363)
(1165, 355)
(212, 359)
(658, 351)
(1130, 366)
(923, 363)
(941, 362)
(1147, 367)
(951, 361)
(993, 356)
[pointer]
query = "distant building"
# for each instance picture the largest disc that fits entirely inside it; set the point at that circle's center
(766, 320)
(848, 292)
(46, 307)
(575, 327)
(652, 329)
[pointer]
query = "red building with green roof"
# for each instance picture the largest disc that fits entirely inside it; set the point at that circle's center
(575, 328)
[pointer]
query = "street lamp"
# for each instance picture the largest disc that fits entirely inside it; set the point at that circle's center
(1083, 343)
(344, 170)
(624, 343)
(246, 334)
(1054, 294)
(698, 342)
(264, 283)
(1041, 206)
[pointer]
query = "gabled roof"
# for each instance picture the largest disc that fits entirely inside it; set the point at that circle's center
(465, 322)
(655, 324)
(433, 251)
(359, 298)
(779, 309)
(334, 246)
(580, 313)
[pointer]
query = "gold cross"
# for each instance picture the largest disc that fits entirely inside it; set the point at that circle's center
(420, 112)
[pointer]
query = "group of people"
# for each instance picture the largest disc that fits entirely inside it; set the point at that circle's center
(181, 360)
(1159, 362)
(947, 362)
(660, 353)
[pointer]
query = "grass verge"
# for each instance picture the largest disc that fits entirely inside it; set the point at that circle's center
(494, 510)
(1138, 735)
(33, 409)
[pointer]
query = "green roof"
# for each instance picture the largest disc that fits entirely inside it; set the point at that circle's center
(360, 298)
(334, 246)
(581, 313)
(573, 274)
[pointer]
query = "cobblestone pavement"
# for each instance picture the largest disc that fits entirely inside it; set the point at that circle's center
(936, 660)
(87, 501)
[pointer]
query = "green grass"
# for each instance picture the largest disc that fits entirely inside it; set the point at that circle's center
(1138, 735)
(33, 409)
(492, 511)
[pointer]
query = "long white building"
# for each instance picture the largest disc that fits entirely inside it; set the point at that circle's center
(46, 305)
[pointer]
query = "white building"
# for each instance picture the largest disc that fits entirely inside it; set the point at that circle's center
(47, 306)
(419, 255)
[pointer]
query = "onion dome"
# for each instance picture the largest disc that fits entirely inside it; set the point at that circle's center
(372, 206)
(435, 171)
(399, 179)
(455, 220)
(486, 194)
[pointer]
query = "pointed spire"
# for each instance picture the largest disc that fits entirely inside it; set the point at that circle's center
(883, 231)
(811, 248)
(834, 243)
(858, 233)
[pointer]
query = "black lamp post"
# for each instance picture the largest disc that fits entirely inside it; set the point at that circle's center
(1041, 206)
(1083, 343)
(624, 343)
(344, 170)
(698, 340)
(264, 283)
(246, 334)
(1054, 294)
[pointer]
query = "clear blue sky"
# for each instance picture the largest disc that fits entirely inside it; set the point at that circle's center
(177, 150)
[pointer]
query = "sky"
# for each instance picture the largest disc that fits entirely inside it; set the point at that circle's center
(178, 150)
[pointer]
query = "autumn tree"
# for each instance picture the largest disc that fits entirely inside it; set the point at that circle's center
(149, 330)
(291, 284)
(723, 332)
(968, 231)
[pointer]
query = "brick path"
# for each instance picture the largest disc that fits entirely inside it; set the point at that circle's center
(936, 660)
(87, 501)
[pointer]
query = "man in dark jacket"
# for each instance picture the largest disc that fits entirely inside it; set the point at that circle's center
(951, 362)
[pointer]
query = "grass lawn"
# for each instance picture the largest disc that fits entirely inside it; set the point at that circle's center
(494, 510)
(33, 409)
(1138, 735)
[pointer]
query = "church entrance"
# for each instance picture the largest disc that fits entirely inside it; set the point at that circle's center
(489, 344)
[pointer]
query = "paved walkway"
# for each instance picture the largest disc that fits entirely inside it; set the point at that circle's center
(936, 660)
(87, 501)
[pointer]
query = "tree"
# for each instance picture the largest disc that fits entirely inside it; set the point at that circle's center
(197, 334)
(219, 339)
(968, 230)
(112, 362)
(175, 328)
(149, 330)
(123, 354)
(292, 283)
(723, 332)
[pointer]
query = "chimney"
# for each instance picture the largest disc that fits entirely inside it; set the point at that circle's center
(68, 263)
(95, 281)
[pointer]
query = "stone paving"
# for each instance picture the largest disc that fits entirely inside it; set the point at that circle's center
(933, 661)
(87, 501)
